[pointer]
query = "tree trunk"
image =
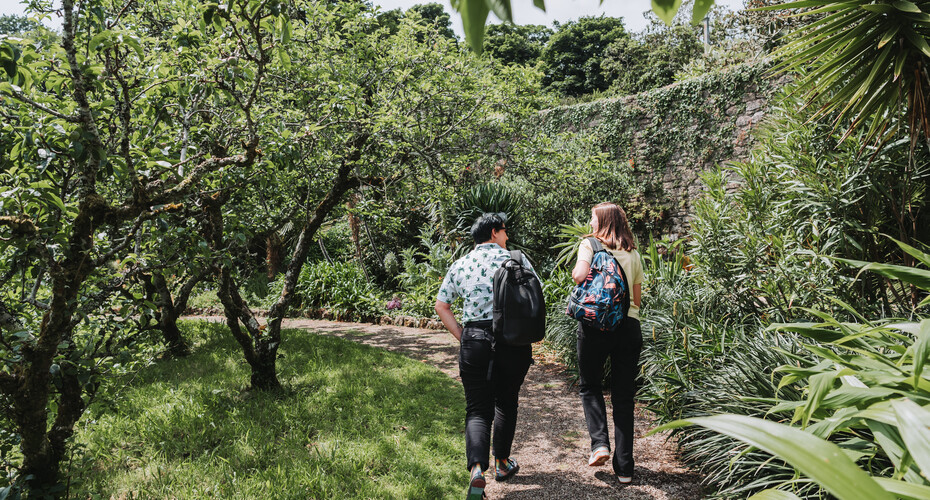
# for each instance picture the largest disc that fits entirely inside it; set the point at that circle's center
(168, 313)
(44, 448)
(264, 370)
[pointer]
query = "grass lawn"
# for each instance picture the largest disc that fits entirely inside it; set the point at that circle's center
(352, 422)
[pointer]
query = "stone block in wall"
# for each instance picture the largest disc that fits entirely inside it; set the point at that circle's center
(754, 105)
(743, 121)
(734, 110)
(756, 118)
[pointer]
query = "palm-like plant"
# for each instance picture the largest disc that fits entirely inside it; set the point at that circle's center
(865, 404)
(864, 62)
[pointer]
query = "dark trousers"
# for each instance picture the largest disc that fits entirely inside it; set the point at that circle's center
(623, 347)
(491, 391)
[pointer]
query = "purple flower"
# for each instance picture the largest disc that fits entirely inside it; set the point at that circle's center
(394, 303)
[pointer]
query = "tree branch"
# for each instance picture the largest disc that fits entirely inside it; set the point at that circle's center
(68, 118)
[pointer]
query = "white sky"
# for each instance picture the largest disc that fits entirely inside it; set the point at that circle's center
(523, 10)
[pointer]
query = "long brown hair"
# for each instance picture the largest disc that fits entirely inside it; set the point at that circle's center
(613, 229)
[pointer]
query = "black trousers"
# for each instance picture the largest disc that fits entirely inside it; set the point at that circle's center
(623, 346)
(492, 373)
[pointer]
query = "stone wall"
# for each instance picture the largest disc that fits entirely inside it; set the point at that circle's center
(670, 136)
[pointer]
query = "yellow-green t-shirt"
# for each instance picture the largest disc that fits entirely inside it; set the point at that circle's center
(631, 263)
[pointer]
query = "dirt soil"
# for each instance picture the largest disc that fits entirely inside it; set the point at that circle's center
(552, 443)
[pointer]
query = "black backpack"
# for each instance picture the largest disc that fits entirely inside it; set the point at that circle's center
(519, 306)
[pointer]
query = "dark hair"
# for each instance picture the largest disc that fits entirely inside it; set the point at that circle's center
(481, 229)
(613, 229)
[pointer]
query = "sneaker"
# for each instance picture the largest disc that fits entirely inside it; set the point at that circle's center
(476, 485)
(625, 479)
(599, 456)
(505, 469)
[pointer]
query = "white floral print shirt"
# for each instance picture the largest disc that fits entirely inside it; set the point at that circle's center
(472, 277)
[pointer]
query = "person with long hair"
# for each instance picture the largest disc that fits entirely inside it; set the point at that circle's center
(623, 345)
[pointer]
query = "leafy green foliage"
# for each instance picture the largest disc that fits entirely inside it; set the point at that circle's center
(516, 44)
(573, 58)
(805, 196)
(637, 64)
(422, 272)
(339, 287)
(14, 25)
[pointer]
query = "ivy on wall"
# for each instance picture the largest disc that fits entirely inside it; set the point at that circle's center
(669, 133)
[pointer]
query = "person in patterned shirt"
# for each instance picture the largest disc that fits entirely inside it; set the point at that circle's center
(492, 372)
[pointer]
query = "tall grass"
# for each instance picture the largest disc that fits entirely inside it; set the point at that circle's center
(352, 422)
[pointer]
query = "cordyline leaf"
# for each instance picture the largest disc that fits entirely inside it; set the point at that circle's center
(887, 436)
(888, 36)
(790, 5)
(819, 386)
(921, 350)
(820, 460)
(919, 41)
(913, 252)
(901, 489)
(666, 9)
(541, 4)
(912, 423)
(917, 277)
(905, 6)
(772, 494)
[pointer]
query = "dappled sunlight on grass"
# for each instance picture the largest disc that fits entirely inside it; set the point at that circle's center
(351, 422)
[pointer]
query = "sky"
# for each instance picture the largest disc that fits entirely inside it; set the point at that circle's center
(523, 11)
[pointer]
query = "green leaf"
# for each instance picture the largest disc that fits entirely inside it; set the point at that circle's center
(902, 489)
(474, 14)
(916, 39)
(820, 460)
(905, 6)
(98, 39)
(286, 31)
(820, 385)
(666, 9)
(134, 44)
(917, 277)
(888, 36)
(701, 8)
(912, 423)
(921, 350)
(501, 9)
(541, 4)
(913, 252)
(774, 495)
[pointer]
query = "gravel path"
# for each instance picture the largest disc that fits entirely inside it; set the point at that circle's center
(552, 443)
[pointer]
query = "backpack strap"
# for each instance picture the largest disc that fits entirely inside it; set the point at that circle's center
(595, 244)
(517, 256)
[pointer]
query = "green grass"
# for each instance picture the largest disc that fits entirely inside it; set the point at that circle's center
(352, 422)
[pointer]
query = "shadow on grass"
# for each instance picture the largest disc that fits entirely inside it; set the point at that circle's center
(351, 422)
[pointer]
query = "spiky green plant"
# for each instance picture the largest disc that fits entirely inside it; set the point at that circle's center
(864, 62)
(859, 428)
(493, 197)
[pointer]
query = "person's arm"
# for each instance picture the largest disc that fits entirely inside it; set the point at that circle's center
(444, 310)
(583, 264)
(637, 294)
(580, 272)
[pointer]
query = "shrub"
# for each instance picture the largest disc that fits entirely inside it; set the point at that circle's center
(339, 287)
